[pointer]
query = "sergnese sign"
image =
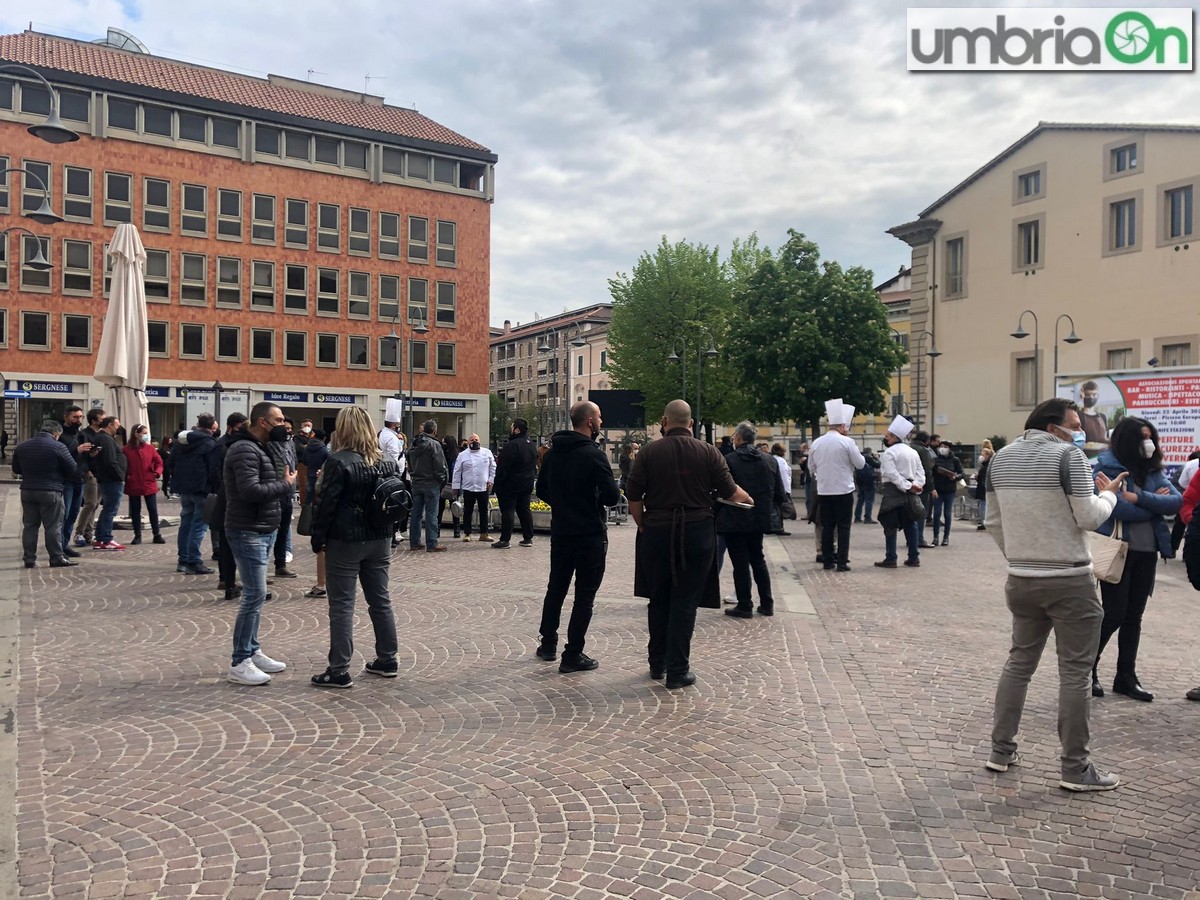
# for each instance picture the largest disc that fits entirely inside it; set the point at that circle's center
(1087, 39)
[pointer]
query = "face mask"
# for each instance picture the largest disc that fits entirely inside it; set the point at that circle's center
(145, 438)
(306, 430)
(1089, 402)
(943, 451)
(1078, 438)
(1148, 448)
(474, 445)
(279, 434)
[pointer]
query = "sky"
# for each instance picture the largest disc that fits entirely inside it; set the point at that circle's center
(621, 122)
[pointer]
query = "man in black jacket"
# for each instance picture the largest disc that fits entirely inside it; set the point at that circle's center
(253, 490)
(73, 487)
(743, 529)
(516, 470)
(192, 478)
(45, 466)
(85, 525)
(427, 468)
(577, 481)
(110, 465)
(226, 564)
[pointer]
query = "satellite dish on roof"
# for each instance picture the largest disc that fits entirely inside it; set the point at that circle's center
(122, 40)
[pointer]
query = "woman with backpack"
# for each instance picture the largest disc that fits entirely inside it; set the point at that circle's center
(357, 542)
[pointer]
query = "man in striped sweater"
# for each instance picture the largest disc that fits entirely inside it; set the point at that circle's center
(1040, 506)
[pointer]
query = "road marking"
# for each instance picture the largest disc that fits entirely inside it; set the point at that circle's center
(790, 593)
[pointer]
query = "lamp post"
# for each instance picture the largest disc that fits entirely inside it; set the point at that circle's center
(39, 261)
(579, 343)
(898, 395)
(1071, 338)
(52, 131)
(933, 353)
(397, 337)
(546, 347)
(679, 355)
(1022, 333)
(419, 328)
(44, 214)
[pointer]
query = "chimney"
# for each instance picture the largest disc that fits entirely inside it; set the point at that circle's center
(507, 326)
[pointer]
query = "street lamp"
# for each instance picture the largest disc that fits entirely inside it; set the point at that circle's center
(397, 337)
(44, 214)
(546, 347)
(579, 343)
(933, 353)
(1071, 338)
(679, 355)
(52, 131)
(39, 261)
(898, 394)
(422, 317)
(1022, 333)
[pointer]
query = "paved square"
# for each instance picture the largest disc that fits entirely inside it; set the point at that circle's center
(833, 751)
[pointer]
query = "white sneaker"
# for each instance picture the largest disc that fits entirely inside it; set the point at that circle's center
(288, 557)
(246, 672)
(266, 664)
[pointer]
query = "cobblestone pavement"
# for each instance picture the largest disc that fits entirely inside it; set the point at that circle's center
(834, 751)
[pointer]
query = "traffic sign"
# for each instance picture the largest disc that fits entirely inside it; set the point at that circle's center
(17, 395)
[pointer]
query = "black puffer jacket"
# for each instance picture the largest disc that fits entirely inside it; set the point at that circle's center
(946, 472)
(252, 486)
(577, 481)
(427, 462)
(516, 467)
(758, 475)
(344, 494)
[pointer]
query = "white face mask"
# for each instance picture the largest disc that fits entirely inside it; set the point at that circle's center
(943, 451)
(1148, 448)
(146, 438)
(306, 429)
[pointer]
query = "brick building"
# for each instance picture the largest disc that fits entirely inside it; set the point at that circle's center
(286, 225)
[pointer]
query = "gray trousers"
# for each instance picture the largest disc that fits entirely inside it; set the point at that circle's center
(347, 564)
(44, 510)
(1070, 607)
(86, 523)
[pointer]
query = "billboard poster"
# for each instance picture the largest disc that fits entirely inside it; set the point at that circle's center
(1170, 400)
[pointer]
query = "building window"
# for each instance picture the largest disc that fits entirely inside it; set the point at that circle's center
(33, 279)
(387, 353)
(419, 166)
(191, 341)
(295, 348)
(262, 345)
(1176, 355)
(297, 145)
(77, 267)
(156, 337)
(229, 343)
(418, 356)
(262, 289)
(418, 300)
(326, 150)
(1119, 359)
(328, 237)
(328, 301)
(4, 261)
(359, 241)
(229, 282)
(579, 364)
(445, 359)
(158, 276)
(603, 360)
(1123, 224)
(1177, 213)
(193, 279)
(354, 155)
(447, 244)
(118, 198)
(389, 297)
(447, 304)
(1029, 184)
(1122, 159)
(358, 351)
(262, 228)
(956, 268)
(389, 236)
(445, 171)
(4, 164)
(295, 290)
(122, 114)
(327, 349)
(35, 330)
(1026, 386)
(157, 120)
(295, 234)
(156, 205)
(77, 197)
(418, 239)
(358, 303)
(1028, 252)
(229, 215)
(73, 106)
(393, 162)
(226, 133)
(32, 194)
(193, 128)
(77, 334)
(194, 218)
(266, 140)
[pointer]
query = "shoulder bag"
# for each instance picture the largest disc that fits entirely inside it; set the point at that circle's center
(1108, 553)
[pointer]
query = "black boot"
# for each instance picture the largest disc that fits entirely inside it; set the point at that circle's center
(1129, 686)
(137, 538)
(1097, 690)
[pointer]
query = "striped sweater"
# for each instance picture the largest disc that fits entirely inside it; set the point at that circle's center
(1041, 528)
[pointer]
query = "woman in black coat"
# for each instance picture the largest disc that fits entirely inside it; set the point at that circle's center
(450, 450)
(985, 457)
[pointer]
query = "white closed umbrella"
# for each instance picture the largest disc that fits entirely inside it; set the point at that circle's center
(123, 363)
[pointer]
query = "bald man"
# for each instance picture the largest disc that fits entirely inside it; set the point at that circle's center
(577, 481)
(670, 489)
(474, 475)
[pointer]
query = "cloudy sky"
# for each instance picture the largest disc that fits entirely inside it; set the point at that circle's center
(619, 122)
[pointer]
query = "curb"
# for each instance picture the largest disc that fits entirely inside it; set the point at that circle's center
(10, 630)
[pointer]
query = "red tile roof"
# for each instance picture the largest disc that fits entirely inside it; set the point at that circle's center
(48, 52)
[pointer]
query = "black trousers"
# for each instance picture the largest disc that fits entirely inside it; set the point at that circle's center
(135, 512)
(746, 556)
(515, 503)
(1124, 606)
(226, 564)
(674, 596)
(836, 514)
(285, 525)
(582, 557)
(471, 500)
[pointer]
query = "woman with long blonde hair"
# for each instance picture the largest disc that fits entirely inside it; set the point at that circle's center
(356, 552)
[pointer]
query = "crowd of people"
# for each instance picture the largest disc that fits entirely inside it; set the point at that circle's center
(362, 491)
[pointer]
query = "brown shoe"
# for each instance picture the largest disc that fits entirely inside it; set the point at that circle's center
(437, 549)
(486, 538)
(418, 547)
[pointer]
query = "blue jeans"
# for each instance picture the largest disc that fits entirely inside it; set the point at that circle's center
(943, 511)
(192, 528)
(866, 501)
(110, 503)
(251, 550)
(982, 511)
(72, 503)
(424, 510)
(912, 537)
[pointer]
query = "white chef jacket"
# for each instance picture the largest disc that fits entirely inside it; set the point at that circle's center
(392, 447)
(902, 467)
(474, 470)
(833, 459)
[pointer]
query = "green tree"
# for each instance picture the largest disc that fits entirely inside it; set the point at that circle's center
(676, 299)
(808, 331)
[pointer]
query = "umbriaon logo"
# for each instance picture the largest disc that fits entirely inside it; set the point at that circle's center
(1084, 39)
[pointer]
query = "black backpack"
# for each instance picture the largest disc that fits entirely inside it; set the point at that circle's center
(390, 500)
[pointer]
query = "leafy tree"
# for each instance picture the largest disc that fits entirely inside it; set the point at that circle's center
(678, 299)
(808, 331)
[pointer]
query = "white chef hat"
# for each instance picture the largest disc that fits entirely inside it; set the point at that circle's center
(394, 411)
(900, 427)
(834, 412)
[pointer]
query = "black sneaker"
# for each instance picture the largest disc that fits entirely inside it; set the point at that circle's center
(546, 652)
(383, 669)
(580, 663)
(528, 543)
(328, 680)
(740, 613)
(501, 545)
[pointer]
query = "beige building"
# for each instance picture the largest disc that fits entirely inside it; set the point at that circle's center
(1092, 222)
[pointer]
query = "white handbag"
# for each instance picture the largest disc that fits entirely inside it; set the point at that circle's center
(1108, 555)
